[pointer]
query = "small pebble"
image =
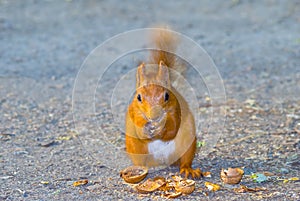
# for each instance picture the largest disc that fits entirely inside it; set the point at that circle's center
(248, 171)
(284, 171)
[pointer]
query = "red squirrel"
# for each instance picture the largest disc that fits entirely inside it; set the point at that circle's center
(160, 128)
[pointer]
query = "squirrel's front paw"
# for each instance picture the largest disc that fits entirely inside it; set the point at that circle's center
(195, 173)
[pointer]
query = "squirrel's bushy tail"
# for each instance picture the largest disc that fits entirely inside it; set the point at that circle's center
(166, 43)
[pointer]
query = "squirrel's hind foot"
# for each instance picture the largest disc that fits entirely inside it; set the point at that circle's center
(195, 173)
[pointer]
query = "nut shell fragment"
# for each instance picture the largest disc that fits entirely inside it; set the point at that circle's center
(169, 186)
(170, 195)
(206, 174)
(232, 175)
(186, 186)
(212, 186)
(149, 186)
(134, 174)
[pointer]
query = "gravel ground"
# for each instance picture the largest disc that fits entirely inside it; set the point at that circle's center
(254, 44)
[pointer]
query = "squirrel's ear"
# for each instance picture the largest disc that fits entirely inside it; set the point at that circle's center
(140, 74)
(162, 63)
(163, 74)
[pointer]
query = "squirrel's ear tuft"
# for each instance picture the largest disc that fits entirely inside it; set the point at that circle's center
(163, 74)
(140, 74)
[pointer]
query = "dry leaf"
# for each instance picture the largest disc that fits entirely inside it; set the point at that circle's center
(61, 138)
(291, 179)
(80, 182)
(45, 182)
(294, 179)
(268, 174)
(285, 181)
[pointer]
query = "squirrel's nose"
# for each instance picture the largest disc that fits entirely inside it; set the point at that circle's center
(155, 113)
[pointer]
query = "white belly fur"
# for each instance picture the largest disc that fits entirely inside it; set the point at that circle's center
(161, 150)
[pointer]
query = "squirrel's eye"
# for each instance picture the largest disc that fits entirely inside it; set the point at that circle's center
(167, 96)
(139, 97)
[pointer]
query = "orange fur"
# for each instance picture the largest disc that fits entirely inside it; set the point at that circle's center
(159, 115)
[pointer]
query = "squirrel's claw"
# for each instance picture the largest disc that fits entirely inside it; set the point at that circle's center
(195, 173)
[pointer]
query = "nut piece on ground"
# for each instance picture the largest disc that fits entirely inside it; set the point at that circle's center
(186, 186)
(170, 195)
(150, 185)
(232, 175)
(206, 174)
(212, 186)
(134, 174)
